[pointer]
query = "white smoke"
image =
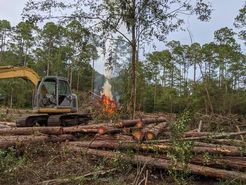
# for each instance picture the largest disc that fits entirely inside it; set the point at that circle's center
(108, 69)
(107, 89)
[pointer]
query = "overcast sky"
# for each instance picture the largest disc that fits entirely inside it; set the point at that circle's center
(223, 15)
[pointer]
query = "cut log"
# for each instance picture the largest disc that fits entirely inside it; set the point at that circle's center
(81, 129)
(138, 135)
(224, 150)
(153, 132)
(221, 162)
(107, 130)
(161, 148)
(209, 136)
(139, 124)
(8, 141)
(122, 137)
(31, 130)
(48, 130)
(131, 123)
(161, 163)
(9, 124)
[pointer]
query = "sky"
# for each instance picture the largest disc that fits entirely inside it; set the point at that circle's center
(224, 12)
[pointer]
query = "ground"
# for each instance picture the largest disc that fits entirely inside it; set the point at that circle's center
(36, 164)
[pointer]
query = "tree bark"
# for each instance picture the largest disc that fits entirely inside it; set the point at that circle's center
(8, 141)
(49, 130)
(107, 130)
(153, 132)
(133, 60)
(129, 123)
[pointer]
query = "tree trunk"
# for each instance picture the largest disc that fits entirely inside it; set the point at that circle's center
(152, 133)
(11, 98)
(129, 123)
(49, 130)
(92, 77)
(107, 130)
(194, 78)
(133, 60)
(71, 76)
(78, 75)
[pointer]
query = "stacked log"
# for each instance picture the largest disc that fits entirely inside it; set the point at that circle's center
(145, 137)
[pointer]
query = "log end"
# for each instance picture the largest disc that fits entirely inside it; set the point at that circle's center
(139, 124)
(101, 130)
(149, 136)
(138, 135)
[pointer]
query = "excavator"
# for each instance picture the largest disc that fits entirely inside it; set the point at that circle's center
(53, 102)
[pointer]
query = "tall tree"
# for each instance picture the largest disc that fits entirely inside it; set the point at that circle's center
(224, 38)
(23, 38)
(194, 55)
(240, 22)
(50, 41)
(82, 47)
(5, 28)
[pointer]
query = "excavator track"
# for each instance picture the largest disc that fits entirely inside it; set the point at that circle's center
(70, 119)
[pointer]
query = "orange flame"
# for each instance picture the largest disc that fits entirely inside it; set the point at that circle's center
(109, 106)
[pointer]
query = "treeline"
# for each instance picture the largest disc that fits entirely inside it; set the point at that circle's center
(53, 49)
(208, 78)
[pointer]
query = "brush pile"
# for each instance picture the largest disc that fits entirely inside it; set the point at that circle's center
(150, 142)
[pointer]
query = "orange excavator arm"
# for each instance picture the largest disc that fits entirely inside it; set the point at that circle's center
(19, 72)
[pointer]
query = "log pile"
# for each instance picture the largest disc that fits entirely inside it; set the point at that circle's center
(219, 155)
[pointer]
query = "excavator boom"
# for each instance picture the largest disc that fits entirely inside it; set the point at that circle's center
(19, 72)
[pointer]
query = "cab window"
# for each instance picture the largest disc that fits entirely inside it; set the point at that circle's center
(63, 88)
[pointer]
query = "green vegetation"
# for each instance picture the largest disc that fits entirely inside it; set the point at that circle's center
(206, 78)
(181, 150)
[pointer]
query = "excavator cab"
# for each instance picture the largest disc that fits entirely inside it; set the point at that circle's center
(53, 94)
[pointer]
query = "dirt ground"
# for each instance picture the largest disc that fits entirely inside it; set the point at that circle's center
(42, 163)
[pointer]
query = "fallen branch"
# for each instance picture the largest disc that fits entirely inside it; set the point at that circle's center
(66, 180)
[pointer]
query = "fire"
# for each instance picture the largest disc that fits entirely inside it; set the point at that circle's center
(109, 106)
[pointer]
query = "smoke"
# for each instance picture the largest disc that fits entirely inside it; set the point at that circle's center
(108, 67)
(107, 89)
